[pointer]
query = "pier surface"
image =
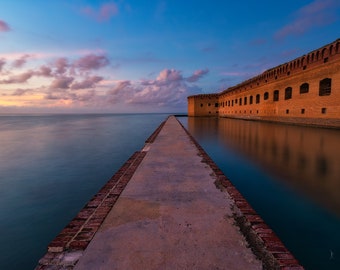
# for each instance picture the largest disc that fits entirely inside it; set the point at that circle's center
(168, 207)
(170, 215)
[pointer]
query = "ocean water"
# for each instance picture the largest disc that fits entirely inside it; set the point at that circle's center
(50, 166)
(289, 174)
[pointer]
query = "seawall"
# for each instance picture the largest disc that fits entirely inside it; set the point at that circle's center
(168, 207)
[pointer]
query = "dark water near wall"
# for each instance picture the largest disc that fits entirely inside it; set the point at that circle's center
(50, 166)
(289, 174)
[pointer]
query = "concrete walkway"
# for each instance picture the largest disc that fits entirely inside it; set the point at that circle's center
(170, 215)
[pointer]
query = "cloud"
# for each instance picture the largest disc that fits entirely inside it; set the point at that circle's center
(21, 78)
(197, 75)
(169, 89)
(61, 65)
(104, 13)
(44, 71)
(2, 63)
(317, 13)
(20, 92)
(71, 96)
(61, 82)
(4, 27)
(18, 63)
(92, 61)
(86, 83)
(168, 75)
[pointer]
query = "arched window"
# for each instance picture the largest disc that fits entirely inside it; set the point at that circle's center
(276, 95)
(325, 87)
(240, 101)
(288, 93)
(251, 100)
(257, 98)
(304, 88)
(266, 96)
(245, 100)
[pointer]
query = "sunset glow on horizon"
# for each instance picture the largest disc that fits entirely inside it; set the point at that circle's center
(136, 56)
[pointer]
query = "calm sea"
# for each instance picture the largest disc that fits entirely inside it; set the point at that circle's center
(289, 174)
(51, 165)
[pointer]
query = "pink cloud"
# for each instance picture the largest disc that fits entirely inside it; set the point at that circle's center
(197, 75)
(18, 63)
(2, 63)
(317, 13)
(62, 82)
(86, 83)
(4, 27)
(20, 92)
(75, 97)
(104, 13)
(44, 71)
(91, 61)
(167, 75)
(21, 78)
(169, 88)
(61, 65)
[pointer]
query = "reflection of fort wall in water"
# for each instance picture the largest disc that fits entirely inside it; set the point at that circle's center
(305, 158)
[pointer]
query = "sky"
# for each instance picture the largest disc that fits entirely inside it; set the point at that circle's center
(129, 56)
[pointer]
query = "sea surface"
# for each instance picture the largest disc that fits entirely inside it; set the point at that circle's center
(51, 165)
(289, 174)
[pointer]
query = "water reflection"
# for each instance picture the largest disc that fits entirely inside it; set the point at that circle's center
(303, 157)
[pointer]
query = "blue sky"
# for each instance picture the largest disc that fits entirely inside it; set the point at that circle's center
(147, 56)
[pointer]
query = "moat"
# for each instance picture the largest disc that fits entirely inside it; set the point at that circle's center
(289, 174)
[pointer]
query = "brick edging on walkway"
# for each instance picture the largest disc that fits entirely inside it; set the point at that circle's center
(67, 247)
(262, 240)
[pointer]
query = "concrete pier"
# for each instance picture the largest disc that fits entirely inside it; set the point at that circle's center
(174, 210)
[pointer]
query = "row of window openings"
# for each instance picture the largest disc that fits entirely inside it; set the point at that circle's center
(324, 90)
(323, 111)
